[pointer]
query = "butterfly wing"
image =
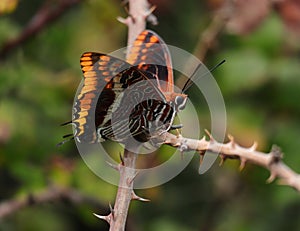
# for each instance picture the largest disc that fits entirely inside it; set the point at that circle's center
(106, 77)
(150, 54)
(127, 113)
(102, 92)
(97, 93)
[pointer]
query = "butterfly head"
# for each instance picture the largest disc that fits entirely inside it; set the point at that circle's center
(178, 101)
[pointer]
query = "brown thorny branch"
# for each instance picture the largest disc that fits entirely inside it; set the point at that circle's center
(46, 14)
(139, 12)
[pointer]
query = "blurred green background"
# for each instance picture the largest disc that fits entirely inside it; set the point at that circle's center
(38, 80)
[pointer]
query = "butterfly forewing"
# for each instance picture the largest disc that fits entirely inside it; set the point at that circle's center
(90, 110)
(150, 53)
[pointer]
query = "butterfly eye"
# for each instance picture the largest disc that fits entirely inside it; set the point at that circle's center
(180, 102)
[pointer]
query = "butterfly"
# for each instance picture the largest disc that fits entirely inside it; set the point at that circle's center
(120, 99)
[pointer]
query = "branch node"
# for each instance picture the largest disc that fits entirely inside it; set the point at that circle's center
(135, 197)
(183, 147)
(276, 155)
(130, 180)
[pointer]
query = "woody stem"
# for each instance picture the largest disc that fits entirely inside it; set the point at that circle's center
(136, 23)
(125, 191)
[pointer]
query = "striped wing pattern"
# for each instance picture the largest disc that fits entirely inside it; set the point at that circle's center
(151, 54)
(117, 97)
(139, 113)
(100, 72)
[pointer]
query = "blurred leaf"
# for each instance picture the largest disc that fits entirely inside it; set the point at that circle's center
(244, 69)
(271, 27)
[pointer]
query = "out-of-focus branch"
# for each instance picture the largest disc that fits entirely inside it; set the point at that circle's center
(271, 161)
(49, 12)
(208, 37)
(50, 194)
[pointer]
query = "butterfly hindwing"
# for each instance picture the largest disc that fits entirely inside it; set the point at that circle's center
(138, 90)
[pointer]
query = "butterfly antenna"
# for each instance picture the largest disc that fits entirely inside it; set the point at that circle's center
(189, 82)
(64, 141)
(66, 123)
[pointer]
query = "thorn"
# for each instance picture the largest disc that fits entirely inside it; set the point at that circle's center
(106, 218)
(135, 197)
(223, 159)
(211, 139)
(150, 11)
(232, 142)
(124, 20)
(178, 134)
(151, 17)
(114, 166)
(253, 147)
(203, 139)
(201, 159)
(242, 164)
(112, 211)
(271, 178)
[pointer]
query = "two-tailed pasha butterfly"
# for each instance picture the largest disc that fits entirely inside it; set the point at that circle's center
(114, 112)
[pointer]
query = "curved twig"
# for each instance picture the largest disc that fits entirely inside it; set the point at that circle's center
(271, 161)
(50, 194)
(45, 15)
